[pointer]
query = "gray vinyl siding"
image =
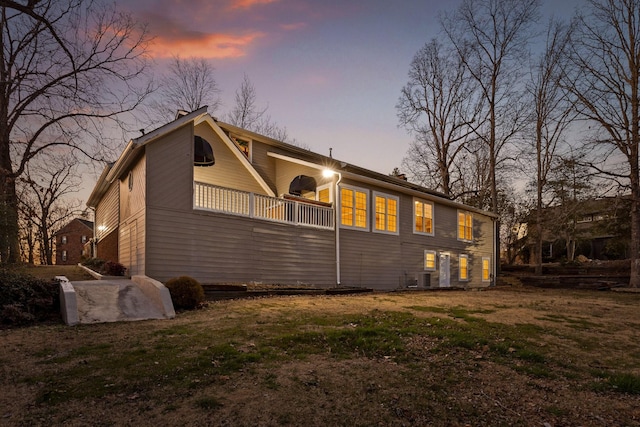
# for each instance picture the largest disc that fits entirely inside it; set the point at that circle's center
(133, 201)
(384, 261)
(369, 259)
(107, 212)
(170, 170)
(132, 253)
(217, 248)
(228, 171)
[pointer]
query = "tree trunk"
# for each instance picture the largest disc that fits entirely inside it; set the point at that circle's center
(571, 249)
(539, 189)
(9, 237)
(634, 274)
(46, 245)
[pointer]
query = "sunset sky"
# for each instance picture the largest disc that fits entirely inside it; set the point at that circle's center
(330, 71)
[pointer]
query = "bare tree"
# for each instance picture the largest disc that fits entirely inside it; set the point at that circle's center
(607, 86)
(68, 68)
(474, 175)
(45, 201)
(438, 107)
(553, 112)
(247, 115)
(189, 84)
(492, 37)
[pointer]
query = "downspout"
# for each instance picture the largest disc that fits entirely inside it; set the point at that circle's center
(94, 244)
(337, 225)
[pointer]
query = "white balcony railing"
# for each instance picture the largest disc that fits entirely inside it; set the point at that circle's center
(220, 199)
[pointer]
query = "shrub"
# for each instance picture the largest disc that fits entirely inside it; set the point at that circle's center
(186, 292)
(111, 268)
(25, 299)
(107, 268)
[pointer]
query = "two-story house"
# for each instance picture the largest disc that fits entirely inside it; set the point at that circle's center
(73, 242)
(203, 198)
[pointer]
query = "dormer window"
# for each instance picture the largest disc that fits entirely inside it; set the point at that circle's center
(244, 145)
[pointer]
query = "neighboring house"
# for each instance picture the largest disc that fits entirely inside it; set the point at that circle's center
(73, 242)
(596, 228)
(206, 199)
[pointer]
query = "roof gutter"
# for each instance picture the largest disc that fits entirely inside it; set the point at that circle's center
(100, 188)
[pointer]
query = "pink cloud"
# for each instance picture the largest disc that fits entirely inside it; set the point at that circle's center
(293, 26)
(204, 45)
(246, 4)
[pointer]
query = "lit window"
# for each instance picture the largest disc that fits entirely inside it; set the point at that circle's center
(243, 145)
(386, 213)
(465, 226)
(324, 193)
(423, 217)
(464, 267)
(63, 240)
(83, 239)
(430, 260)
(353, 212)
(486, 269)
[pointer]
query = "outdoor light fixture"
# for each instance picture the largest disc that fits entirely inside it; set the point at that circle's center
(327, 173)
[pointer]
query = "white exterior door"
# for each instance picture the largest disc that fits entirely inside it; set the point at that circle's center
(445, 270)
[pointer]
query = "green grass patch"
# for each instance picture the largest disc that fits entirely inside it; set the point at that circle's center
(427, 309)
(187, 356)
(619, 382)
(576, 323)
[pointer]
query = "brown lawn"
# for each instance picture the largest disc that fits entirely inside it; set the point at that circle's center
(502, 357)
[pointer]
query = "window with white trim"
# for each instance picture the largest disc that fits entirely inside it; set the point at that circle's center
(64, 255)
(422, 217)
(465, 226)
(430, 260)
(243, 145)
(463, 268)
(63, 240)
(324, 193)
(353, 207)
(386, 213)
(486, 269)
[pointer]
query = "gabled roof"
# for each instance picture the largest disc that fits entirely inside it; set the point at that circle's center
(88, 224)
(241, 157)
(308, 158)
(280, 150)
(136, 146)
